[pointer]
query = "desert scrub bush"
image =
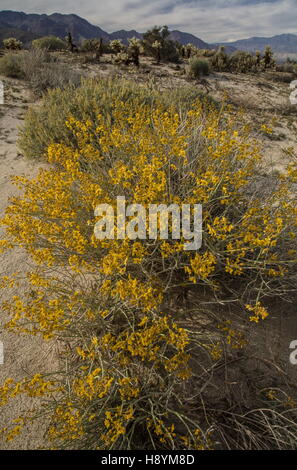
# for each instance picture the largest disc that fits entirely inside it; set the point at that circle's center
(287, 67)
(40, 69)
(43, 71)
(10, 66)
(134, 358)
(25, 64)
(46, 124)
(50, 43)
(198, 68)
(12, 44)
(53, 75)
(33, 60)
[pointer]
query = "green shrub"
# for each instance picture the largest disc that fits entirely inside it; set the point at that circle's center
(198, 67)
(51, 43)
(10, 66)
(45, 124)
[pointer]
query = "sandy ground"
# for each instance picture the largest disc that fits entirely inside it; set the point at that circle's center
(22, 354)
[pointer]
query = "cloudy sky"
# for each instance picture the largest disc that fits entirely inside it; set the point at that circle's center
(212, 20)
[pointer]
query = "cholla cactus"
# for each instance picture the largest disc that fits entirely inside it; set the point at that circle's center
(157, 46)
(122, 58)
(12, 44)
(242, 61)
(116, 46)
(268, 58)
(72, 47)
(99, 48)
(258, 58)
(134, 50)
(220, 59)
(191, 50)
(69, 41)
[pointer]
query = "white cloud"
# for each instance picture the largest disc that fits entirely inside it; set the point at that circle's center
(212, 20)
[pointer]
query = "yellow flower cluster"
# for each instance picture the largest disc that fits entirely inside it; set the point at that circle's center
(115, 423)
(201, 266)
(66, 423)
(92, 385)
(236, 339)
(148, 341)
(36, 387)
(260, 312)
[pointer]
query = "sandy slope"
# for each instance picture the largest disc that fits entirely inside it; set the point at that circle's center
(22, 354)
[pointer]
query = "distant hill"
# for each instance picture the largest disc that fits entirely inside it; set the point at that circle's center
(55, 24)
(125, 35)
(186, 38)
(282, 44)
(228, 49)
(59, 25)
(25, 36)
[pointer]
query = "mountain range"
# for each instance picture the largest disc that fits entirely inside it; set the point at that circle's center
(27, 27)
(56, 24)
(22, 24)
(283, 43)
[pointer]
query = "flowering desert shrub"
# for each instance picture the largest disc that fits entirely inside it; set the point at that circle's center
(46, 124)
(138, 351)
